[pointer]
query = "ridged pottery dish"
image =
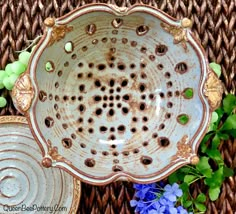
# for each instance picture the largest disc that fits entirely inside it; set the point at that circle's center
(118, 93)
(25, 185)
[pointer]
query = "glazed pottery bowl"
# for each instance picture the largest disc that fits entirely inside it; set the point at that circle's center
(118, 93)
(25, 185)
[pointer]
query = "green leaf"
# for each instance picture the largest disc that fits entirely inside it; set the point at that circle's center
(184, 187)
(220, 112)
(201, 207)
(185, 170)
(201, 198)
(215, 142)
(227, 171)
(212, 127)
(232, 132)
(203, 167)
(229, 103)
(187, 204)
(203, 145)
(214, 193)
(230, 123)
(189, 178)
(216, 68)
(215, 155)
(217, 178)
(173, 178)
(223, 136)
(214, 117)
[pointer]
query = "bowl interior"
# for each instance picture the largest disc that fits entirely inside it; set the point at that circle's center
(117, 95)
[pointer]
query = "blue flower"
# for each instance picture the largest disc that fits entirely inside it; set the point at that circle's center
(145, 191)
(169, 205)
(171, 210)
(139, 205)
(156, 198)
(172, 191)
(181, 210)
(157, 209)
(165, 202)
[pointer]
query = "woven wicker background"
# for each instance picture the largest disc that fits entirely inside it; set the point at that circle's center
(214, 25)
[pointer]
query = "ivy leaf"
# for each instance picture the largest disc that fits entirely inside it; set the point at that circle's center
(204, 167)
(201, 207)
(216, 68)
(227, 171)
(229, 103)
(201, 198)
(230, 123)
(189, 178)
(214, 193)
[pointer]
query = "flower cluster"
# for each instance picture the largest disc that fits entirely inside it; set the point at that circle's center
(157, 199)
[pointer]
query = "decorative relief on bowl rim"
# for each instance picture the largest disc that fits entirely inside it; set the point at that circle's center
(210, 90)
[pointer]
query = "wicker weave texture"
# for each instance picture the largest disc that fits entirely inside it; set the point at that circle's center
(214, 25)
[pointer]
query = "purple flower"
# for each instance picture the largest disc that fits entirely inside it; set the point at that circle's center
(172, 191)
(145, 191)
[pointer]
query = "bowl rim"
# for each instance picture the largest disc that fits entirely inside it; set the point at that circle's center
(120, 12)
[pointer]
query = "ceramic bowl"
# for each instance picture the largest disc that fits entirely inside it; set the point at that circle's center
(25, 185)
(118, 93)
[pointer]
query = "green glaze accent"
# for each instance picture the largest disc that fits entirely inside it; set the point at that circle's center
(49, 67)
(188, 93)
(183, 119)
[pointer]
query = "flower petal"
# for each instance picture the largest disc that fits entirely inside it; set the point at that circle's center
(133, 203)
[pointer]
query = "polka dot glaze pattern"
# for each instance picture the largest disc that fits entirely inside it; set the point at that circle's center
(118, 93)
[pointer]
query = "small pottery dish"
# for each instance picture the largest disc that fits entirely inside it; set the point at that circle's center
(25, 185)
(118, 93)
